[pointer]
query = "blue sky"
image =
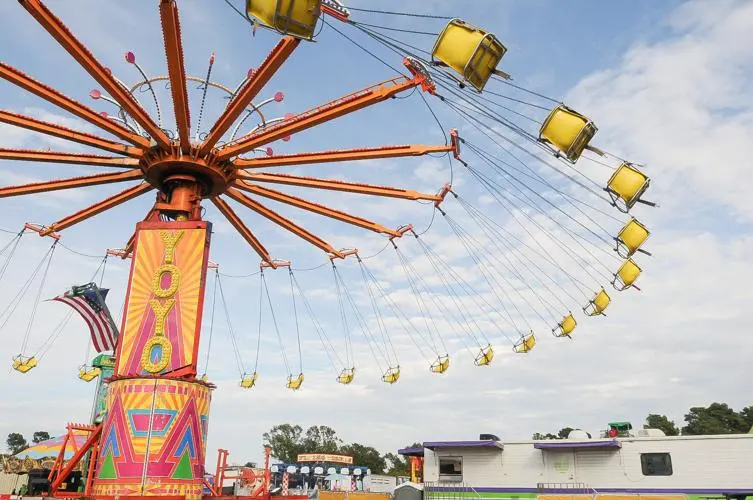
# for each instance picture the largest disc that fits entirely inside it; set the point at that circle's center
(668, 85)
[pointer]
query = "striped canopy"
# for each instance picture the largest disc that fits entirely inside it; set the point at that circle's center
(51, 447)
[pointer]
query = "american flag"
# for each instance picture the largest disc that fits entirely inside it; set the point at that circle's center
(89, 301)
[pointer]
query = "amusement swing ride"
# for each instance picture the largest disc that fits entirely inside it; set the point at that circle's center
(149, 437)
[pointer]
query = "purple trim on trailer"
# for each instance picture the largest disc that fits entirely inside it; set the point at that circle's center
(411, 452)
(463, 444)
(570, 491)
(554, 445)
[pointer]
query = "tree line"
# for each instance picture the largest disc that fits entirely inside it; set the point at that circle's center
(288, 441)
(717, 418)
(16, 442)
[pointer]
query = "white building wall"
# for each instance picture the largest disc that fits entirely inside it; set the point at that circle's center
(703, 462)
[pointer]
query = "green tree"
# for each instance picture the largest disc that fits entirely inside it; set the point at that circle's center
(366, 456)
(320, 439)
(564, 432)
(40, 436)
(656, 421)
(747, 414)
(717, 418)
(285, 440)
(397, 465)
(16, 442)
(539, 436)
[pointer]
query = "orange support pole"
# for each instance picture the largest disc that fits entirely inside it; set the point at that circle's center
(93, 436)
(61, 132)
(250, 89)
(280, 220)
(176, 70)
(102, 75)
(340, 155)
(62, 101)
(238, 224)
(71, 158)
(321, 114)
(74, 182)
(313, 207)
(336, 185)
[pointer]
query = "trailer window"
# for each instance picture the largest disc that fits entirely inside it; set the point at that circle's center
(451, 469)
(656, 464)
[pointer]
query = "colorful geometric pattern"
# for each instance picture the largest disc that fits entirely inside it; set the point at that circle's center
(154, 438)
(161, 325)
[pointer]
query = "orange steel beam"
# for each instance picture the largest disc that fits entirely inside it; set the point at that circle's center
(102, 75)
(74, 182)
(280, 220)
(72, 158)
(63, 475)
(238, 224)
(313, 207)
(320, 114)
(176, 70)
(340, 155)
(250, 89)
(61, 132)
(97, 208)
(62, 101)
(335, 185)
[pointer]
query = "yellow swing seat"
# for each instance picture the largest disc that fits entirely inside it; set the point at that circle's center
(346, 376)
(626, 186)
(567, 131)
(249, 381)
(23, 364)
(525, 344)
(441, 364)
(484, 356)
(297, 18)
(294, 383)
(626, 275)
(391, 375)
(630, 238)
(566, 326)
(470, 51)
(88, 373)
(596, 306)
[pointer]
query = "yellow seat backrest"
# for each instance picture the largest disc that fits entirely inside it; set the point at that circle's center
(567, 131)
(23, 364)
(598, 304)
(525, 344)
(392, 375)
(566, 326)
(290, 17)
(485, 356)
(631, 237)
(294, 383)
(440, 365)
(248, 381)
(626, 275)
(470, 51)
(88, 373)
(628, 185)
(346, 376)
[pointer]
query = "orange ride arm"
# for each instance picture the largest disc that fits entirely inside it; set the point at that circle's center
(340, 155)
(74, 461)
(81, 54)
(74, 107)
(238, 224)
(61, 132)
(313, 207)
(250, 89)
(281, 221)
(335, 185)
(73, 182)
(176, 70)
(73, 158)
(320, 114)
(97, 208)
